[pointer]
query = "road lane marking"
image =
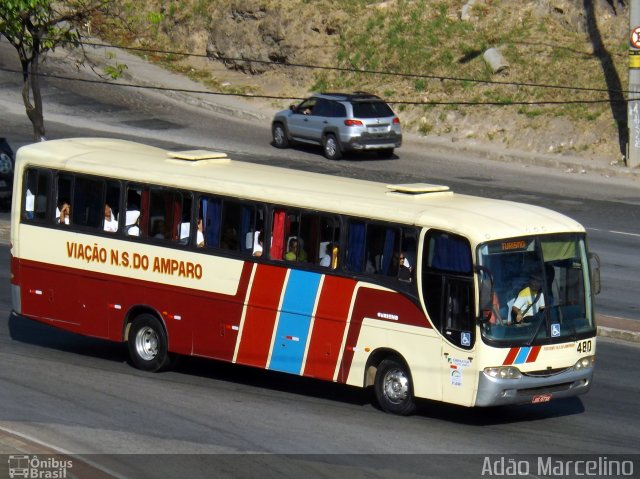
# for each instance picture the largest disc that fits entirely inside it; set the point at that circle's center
(615, 232)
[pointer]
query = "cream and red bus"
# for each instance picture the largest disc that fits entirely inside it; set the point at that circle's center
(412, 289)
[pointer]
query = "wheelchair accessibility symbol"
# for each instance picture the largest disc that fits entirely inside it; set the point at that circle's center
(555, 330)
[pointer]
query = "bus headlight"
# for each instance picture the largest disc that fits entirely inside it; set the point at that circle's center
(503, 372)
(583, 363)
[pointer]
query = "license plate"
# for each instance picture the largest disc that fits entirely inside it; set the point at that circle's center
(377, 129)
(540, 398)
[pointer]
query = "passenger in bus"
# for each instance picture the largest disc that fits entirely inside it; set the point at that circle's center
(132, 223)
(295, 251)
(292, 250)
(159, 229)
(325, 260)
(258, 246)
(63, 212)
(529, 302)
(110, 221)
(400, 267)
(200, 233)
(229, 238)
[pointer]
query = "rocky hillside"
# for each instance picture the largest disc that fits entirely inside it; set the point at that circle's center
(560, 88)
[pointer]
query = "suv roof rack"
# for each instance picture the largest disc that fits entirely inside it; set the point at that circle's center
(352, 96)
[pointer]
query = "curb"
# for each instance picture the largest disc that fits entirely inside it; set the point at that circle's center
(631, 336)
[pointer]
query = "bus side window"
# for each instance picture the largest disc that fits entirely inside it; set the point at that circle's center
(87, 208)
(112, 207)
(165, 213)
(64, 193)
(327, 240)
(38, 185)
(133, 211)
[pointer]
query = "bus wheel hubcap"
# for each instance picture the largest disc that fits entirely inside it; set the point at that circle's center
(147, 343)
(396, 385)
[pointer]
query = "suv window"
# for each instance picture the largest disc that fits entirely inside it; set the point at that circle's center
(338, 110)
(322, 108)
(371, 109)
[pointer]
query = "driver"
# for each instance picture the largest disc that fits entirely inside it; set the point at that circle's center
(530, 300)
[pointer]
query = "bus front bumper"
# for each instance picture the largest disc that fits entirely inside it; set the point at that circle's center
(531, 389)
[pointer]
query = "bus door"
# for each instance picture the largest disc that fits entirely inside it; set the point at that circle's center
(448, 291)
(459, 367)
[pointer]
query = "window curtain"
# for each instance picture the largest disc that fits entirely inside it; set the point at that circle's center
(387, 251)
(277, 234)
(451, 254)
(176, 202)
(212, 214)
(355, 251)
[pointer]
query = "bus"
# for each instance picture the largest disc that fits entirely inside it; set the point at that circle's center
(411, 290)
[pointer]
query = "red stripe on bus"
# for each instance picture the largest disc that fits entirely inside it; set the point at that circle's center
(217, 320)
(513, 352)
(384, 306)
(96, 304)
(328, 327)
(260, 318)
(533, 354)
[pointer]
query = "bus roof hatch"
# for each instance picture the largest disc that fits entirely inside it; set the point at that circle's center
(417, 189)
(199, 156)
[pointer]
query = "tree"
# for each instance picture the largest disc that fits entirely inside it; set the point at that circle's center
(35, 27)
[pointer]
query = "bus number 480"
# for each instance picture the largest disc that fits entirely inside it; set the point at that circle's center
(584, 346)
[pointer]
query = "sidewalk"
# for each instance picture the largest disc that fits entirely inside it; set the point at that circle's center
(618, 328)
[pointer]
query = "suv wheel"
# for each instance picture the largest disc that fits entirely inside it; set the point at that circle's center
(279, 135)
(331, 147)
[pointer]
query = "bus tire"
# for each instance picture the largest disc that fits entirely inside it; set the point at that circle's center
(393, 388)
(147, 343)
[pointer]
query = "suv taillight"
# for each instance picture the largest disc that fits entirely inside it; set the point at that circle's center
(396, 121)
(353, 122)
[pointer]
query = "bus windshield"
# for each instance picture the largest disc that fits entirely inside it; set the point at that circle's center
(541, 289)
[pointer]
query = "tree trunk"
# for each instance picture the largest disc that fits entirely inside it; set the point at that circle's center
(31, 89)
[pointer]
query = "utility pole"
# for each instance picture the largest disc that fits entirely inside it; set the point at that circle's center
(633, 105)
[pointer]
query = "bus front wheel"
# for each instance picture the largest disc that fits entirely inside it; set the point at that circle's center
(393, 388)
(147, 343)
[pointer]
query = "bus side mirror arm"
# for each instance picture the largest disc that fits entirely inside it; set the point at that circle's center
(594, 267)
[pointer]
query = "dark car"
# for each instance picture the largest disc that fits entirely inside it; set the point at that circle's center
(6, 171)
(340, 122)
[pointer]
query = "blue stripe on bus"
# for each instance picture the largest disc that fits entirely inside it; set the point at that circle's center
(295, 319)
(522, 356)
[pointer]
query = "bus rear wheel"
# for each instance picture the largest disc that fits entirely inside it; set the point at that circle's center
(147, 343)
(394, 391)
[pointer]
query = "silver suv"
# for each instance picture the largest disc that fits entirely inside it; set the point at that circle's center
(339, 122)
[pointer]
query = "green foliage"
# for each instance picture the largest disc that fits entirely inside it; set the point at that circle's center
(155, 18)
(115, 71)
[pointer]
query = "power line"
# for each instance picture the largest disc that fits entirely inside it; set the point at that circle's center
(274, 97)
(356, 70)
